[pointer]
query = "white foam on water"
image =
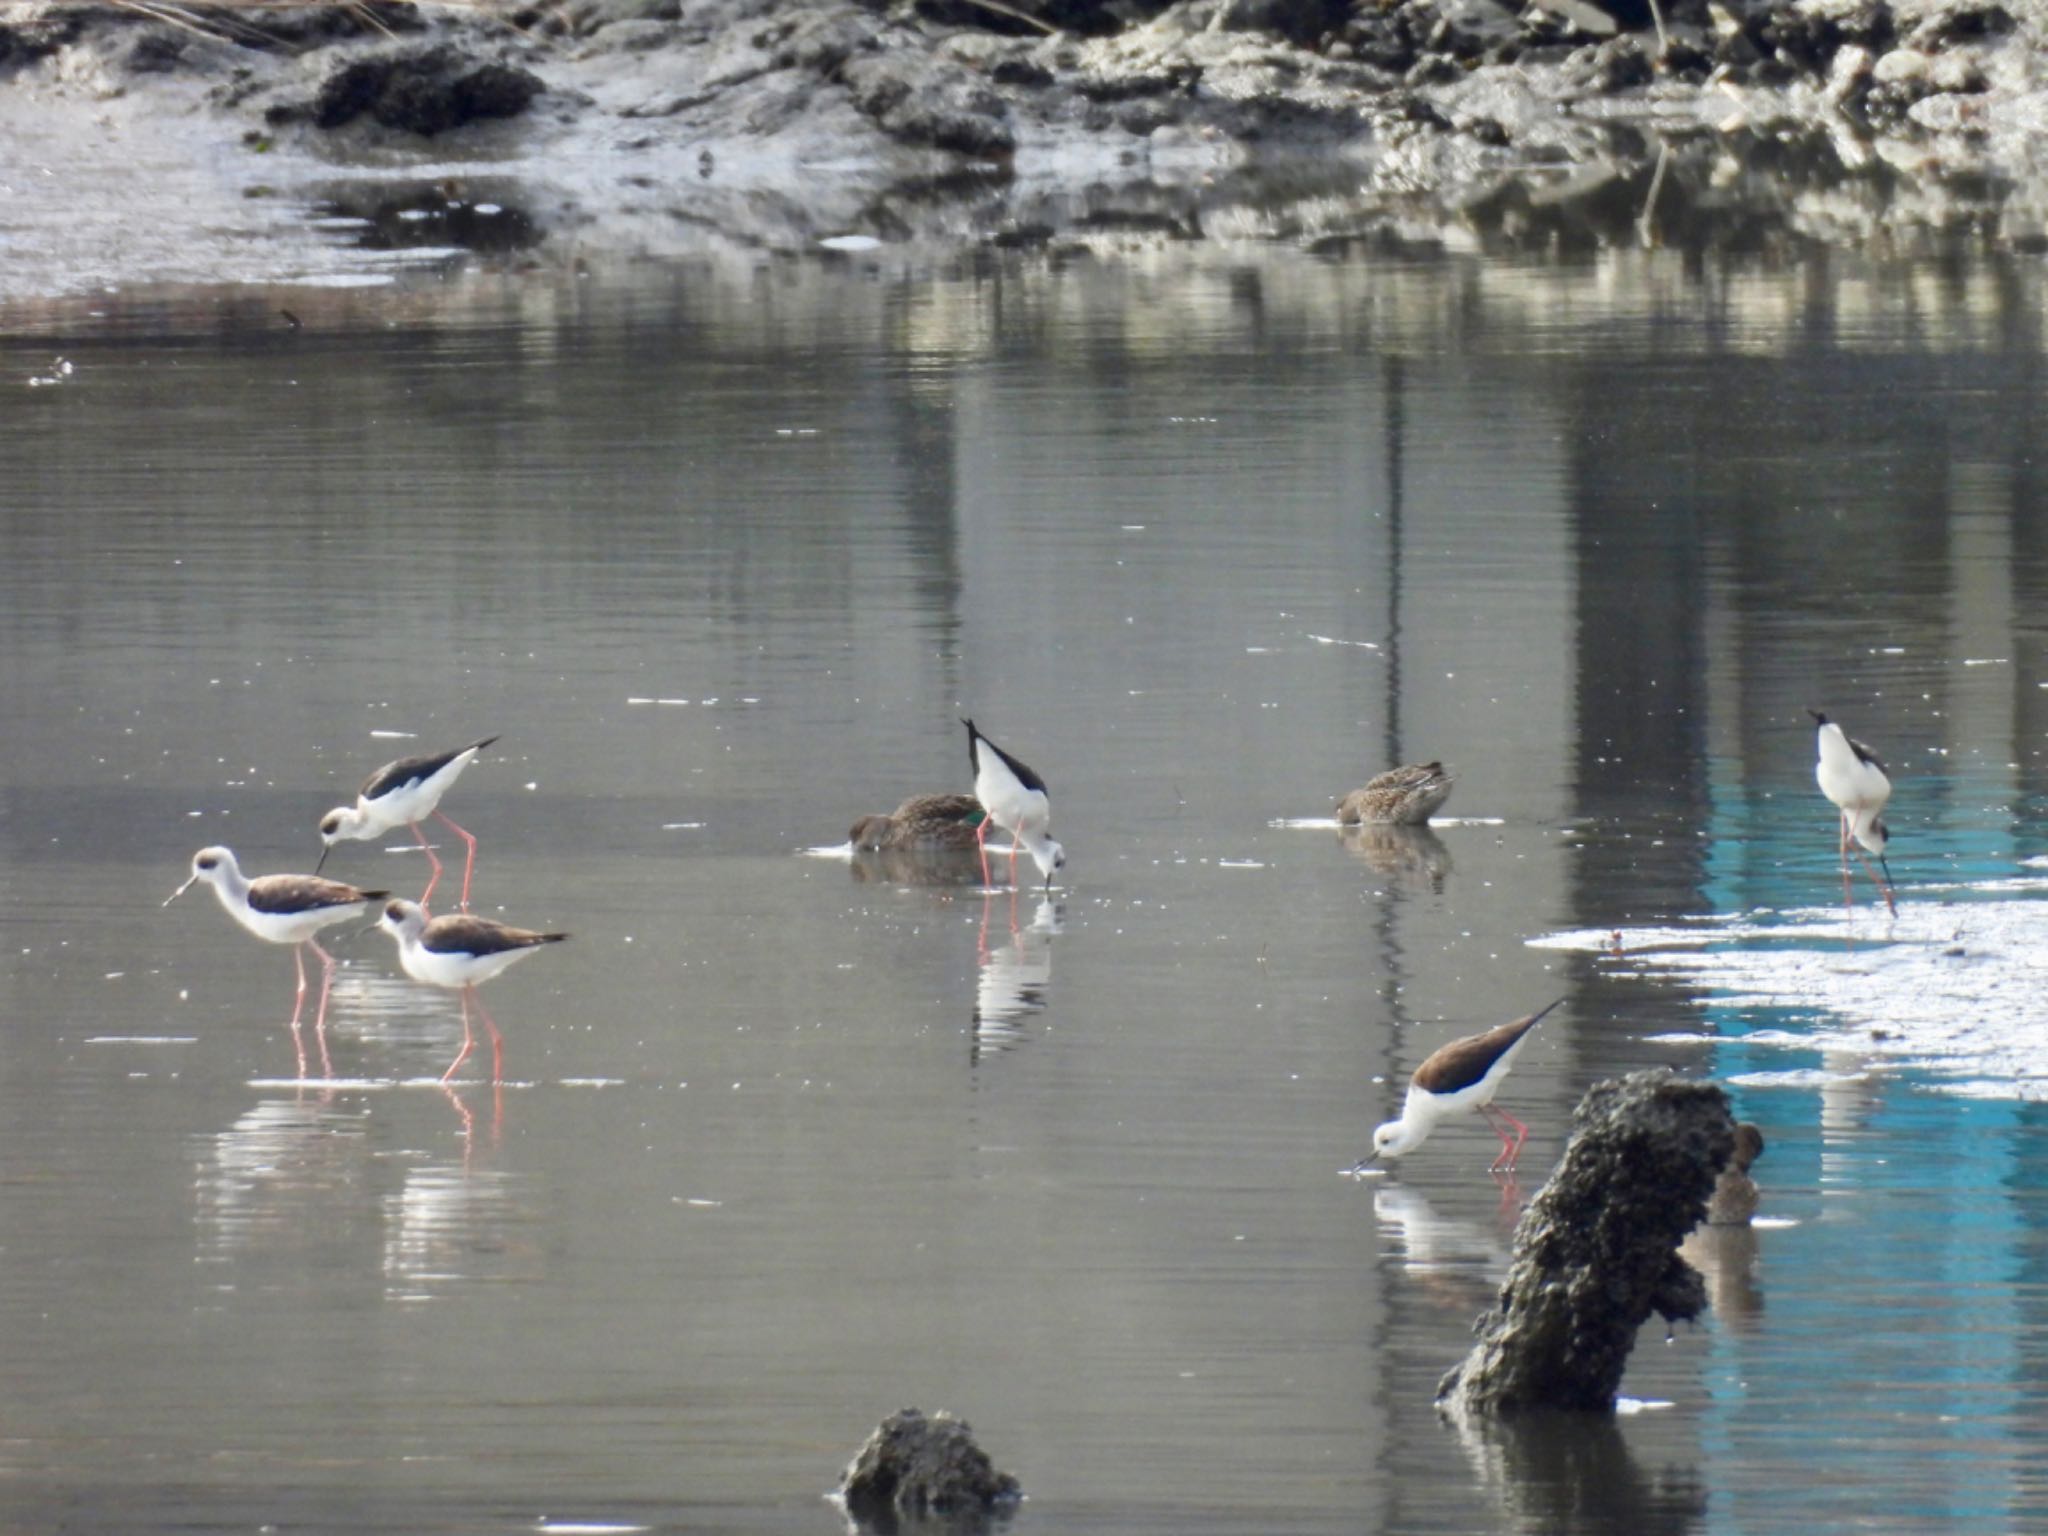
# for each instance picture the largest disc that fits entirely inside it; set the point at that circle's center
(1948, 988)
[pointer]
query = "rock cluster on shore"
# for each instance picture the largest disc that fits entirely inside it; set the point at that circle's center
(1041, 122)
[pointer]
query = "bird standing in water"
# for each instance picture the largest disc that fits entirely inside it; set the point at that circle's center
(1464, 1075)
(1851, 775)
(284, 909)
(942, 823)
(1016, 800)
(403, 794)
(1405, 796)
(460, 951)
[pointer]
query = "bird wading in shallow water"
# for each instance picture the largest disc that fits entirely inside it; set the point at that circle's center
(403, 794)
(460, 951)
(1461, 1076)
(1015, 798)
(284, 909)
(945, 823)
(1851, 775)
(1406, 796)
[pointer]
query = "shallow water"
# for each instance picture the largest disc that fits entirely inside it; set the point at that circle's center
(786, 1142)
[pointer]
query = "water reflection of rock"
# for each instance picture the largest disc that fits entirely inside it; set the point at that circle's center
(1014, 977)
(1574, 1472)
(1413, 856)
(1729, 1260)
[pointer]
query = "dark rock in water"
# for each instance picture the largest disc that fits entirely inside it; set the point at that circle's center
(1597, 1251)
(423, 90)
(916, 1468)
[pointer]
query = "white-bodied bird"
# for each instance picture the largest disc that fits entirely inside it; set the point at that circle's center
(1850, 775)
(1015, 798)
(1461, 1076)
(403, 794)
(284, 909)
(460, 951)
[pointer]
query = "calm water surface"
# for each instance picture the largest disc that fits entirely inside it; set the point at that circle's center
(786, 1143)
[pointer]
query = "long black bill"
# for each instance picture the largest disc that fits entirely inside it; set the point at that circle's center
(329, 848)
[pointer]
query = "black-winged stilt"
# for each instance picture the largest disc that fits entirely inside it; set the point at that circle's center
(1015, 798)
(403, 794)
(284, 909)
(463, 952)
(1851, 775)
(1464, 1075)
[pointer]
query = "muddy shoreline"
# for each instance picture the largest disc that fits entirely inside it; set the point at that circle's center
(317, 140)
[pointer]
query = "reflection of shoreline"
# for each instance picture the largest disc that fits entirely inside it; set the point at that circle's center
(1013, 979)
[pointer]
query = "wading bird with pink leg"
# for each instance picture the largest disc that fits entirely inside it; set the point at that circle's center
(1016, 800)
(285, 909)
(1455, 1078)
(460, 952)
(1851, 775)
(404, 794)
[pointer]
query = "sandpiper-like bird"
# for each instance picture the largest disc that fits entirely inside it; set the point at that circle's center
(941, 823)
(1406, 796)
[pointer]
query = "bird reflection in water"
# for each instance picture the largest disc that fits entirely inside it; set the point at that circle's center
(1407, 856)
(454, 1221)
(278, 1168)
(1457, 1261)
(1014, 977)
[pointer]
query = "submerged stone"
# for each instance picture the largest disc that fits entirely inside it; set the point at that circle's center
(1597, 1251)
(920, 1468)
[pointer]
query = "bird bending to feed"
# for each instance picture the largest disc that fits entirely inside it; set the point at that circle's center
(1015, 798)
(1850, 775)
(1407, 796)
(1463, 1075)
(284, 909)
(922, 824)
(404, 794)
(460, 951)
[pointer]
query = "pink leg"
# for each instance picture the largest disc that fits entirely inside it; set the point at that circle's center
(468, 1041)
(426, 848)
(1510, 1146)
(981, 847)
(1848, 899)
(1013, 861)
(469, 864)
(497, 1040)
(320, 1013)
(299, 1006)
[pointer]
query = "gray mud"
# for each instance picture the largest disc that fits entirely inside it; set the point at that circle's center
(331, 142)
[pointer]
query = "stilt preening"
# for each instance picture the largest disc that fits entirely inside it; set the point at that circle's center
(1405, 796)
(285, 909)
(1851, 775)
(1464, 1075)
(403, 794)
(1016, 800)
(462, 952)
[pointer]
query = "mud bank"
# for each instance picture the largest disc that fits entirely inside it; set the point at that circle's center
(330, 142)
